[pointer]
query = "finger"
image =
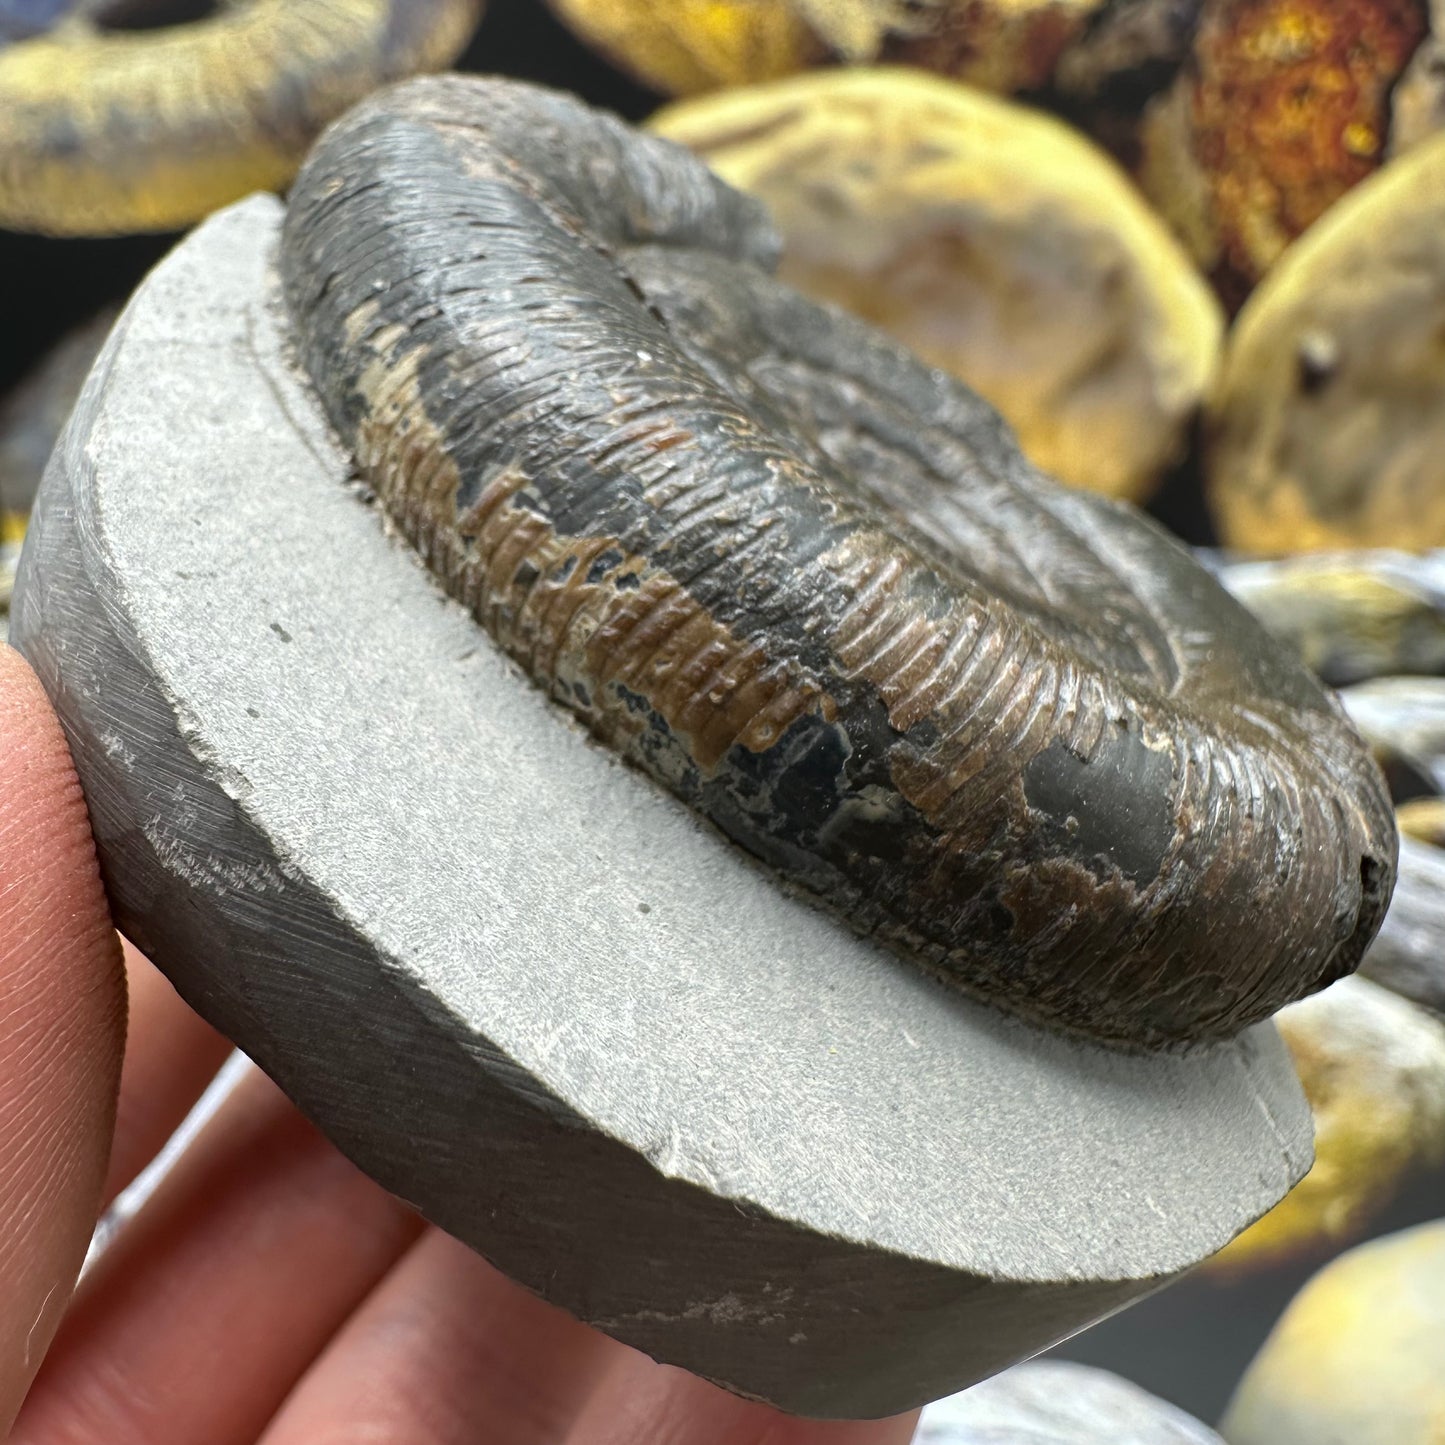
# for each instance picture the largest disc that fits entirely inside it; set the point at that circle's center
(62, 1026)
(213, 1301)
(644, 1403)
(170, 1056)
(448, 1352)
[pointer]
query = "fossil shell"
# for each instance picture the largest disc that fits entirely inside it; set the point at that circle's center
(1283, 106)
(810, 585)
(990, 239)
(1373, 1069)
(109, 126)
(1328, 429)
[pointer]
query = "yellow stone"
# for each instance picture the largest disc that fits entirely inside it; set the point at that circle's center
(1424, 820)
(990, 239)
(109, 132)
(1359, 1356)
(685, 47)
(1328, 427)
(688, 47)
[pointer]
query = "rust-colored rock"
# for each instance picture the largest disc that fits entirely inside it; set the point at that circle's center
(1282, 107)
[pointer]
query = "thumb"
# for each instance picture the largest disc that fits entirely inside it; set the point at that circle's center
(62, 1029)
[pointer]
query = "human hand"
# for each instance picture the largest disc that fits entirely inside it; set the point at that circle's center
(267, 1291)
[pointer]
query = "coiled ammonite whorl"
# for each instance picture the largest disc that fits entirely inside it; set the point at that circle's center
(145, 115)
(813, 588)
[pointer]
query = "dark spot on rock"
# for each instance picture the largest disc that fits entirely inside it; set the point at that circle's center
(644, 908)
(602, 564)
(1000, 917)
(251, 712)
(634, 702)
(280, 632)
(807, 765)
(1318, 359)
(1109, 812)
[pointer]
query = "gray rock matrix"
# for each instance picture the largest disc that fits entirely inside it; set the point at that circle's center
(521, 986)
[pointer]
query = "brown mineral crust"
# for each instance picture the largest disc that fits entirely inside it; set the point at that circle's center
(1283, 107)
(810, 585)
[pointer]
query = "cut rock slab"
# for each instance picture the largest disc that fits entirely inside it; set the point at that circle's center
(524, 988)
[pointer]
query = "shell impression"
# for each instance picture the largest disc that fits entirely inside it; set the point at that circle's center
(145, 115)
(812, 587)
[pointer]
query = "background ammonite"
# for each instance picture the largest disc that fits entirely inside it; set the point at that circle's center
(145, 115)
(812, 587)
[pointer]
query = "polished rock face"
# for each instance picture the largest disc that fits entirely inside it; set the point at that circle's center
(523, 986)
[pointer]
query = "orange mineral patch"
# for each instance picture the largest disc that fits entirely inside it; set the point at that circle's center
(1289, 108)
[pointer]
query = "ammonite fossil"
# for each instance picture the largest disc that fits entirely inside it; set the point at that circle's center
(1328, 427)
(991, 240)
(811, 586)
(119, 116)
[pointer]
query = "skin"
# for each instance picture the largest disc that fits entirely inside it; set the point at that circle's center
(267, 1292)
